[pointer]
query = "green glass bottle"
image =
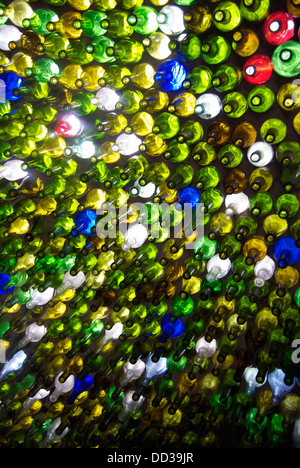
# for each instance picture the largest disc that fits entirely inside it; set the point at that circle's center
(204, 248)
(295, 231)
(156, 173)
(261, 99)
(181, 176)
(38, 22)
(44, 70)
(256, 293)
(227, 16)
(212, 200)
(90, 23)
(290, 177)
(98, 49)
(177, 152)
(229, 247)
(219, 405)
(193, 268)
(207, 177)
(245, 309)
(163, 389)
(55, 187)
(187, 47)
(204, 153)
(52, 45)
(126, 50)
(285, 59)
(230, 156)
(254, 10)
(190, 132)
(273, 131)
(235, 105)
(261, 204)
(215, 50)
(226, 78)
(288, 153)
(234, 290)
(198, 80)
(286, 206)
(143, 20)
(253, 425)
(166, 125)
(77, 52)
(245, 227)
(182, 305)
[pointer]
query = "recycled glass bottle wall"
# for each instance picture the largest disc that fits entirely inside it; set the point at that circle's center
(111, 111)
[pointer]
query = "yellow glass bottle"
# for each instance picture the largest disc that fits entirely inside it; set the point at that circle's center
(254, 249)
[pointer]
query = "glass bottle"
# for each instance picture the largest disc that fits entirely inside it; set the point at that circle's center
(279, 28)
(293, 7)
(255, 10)
(198, 19)
(234, 105)
(207, 177)
(215, 50)
(254, 250)
(170, 20)
(261, 204)
(230, 156)
(245, 42)
(219, 133)
(90, 23)
(261, 99)
(287, 96)
(258, 69)
(143, 20)
(198, 80)
(227, 16)
(285, 59)
(287, 206)
(187, 47)
(226, 78)
(260, 154)
(235, 181)
(261, 180)
(274, 227)
(157, 45)
(273, 131)
(288, 152)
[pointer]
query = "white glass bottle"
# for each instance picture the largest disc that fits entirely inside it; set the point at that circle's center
(208, 106)
(264, 270)
(170, 20)
(260, 154)
(217, 268)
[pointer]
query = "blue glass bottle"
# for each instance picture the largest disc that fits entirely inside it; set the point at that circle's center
(189, 195)
(286, 252)
(4, 278)
(170, 75)
(79, 387)
(170, 328)
(84, 222)
(12, 81)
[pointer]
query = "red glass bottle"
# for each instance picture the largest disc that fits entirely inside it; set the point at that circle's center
(258, 69)
(279, 27)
